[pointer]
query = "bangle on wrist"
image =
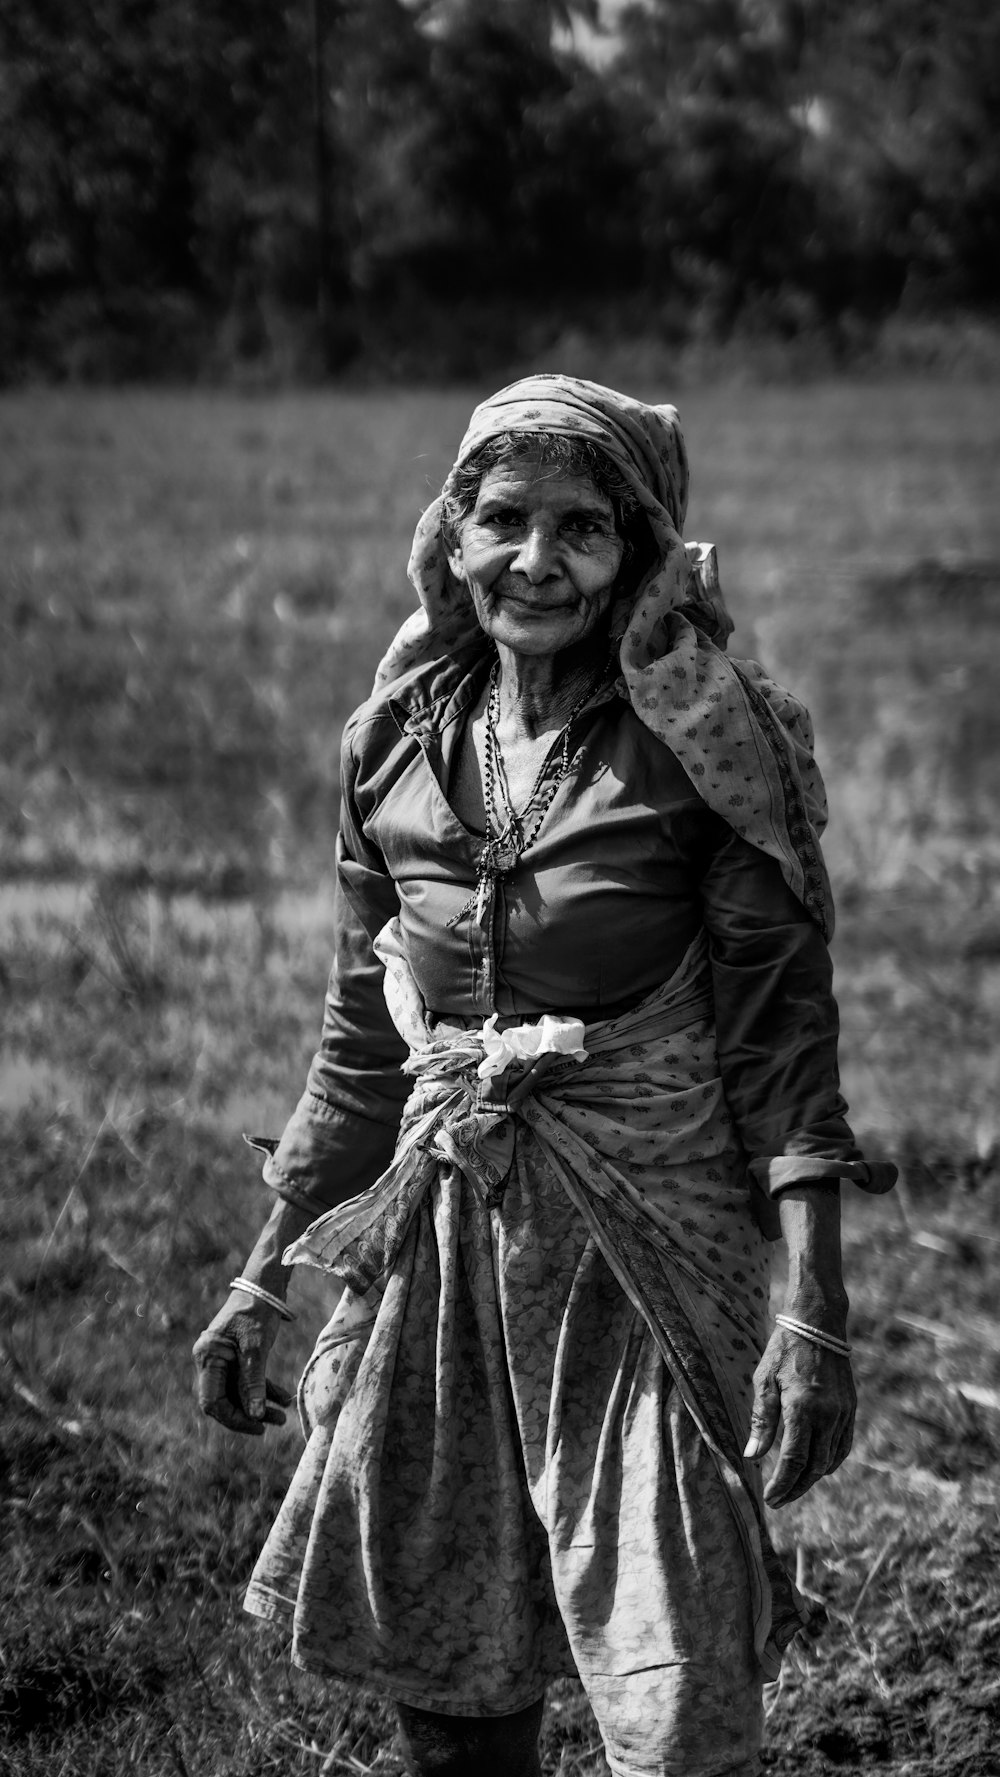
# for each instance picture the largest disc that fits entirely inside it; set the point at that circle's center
(249, 1288)
(814, 1335)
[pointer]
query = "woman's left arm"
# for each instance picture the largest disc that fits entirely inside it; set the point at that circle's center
(777, 1031)
(810, 1389)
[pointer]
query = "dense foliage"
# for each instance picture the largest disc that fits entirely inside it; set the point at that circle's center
(167, 202)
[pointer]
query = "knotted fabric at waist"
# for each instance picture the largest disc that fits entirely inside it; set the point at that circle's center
(455, 1116)
(639, 1136)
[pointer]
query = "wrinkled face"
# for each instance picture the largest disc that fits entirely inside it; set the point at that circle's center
(540, 556)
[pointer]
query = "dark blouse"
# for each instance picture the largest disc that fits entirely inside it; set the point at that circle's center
(628, 865)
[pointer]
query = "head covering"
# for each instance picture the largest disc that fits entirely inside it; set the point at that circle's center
(744, 741)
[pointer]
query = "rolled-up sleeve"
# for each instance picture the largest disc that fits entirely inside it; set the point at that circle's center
(777, 1025)
(343, 1131)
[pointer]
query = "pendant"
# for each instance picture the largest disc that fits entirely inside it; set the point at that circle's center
(484, 898)
(493, 863)
(480, 902)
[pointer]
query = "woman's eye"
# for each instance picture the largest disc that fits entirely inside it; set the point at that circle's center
(505, 519)
(584, 527)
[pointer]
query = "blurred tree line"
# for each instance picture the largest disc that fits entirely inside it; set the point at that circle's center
(426, 185)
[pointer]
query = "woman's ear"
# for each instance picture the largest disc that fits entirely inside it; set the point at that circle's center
(455, 558)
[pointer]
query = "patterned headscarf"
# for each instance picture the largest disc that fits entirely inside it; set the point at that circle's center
(744, 741)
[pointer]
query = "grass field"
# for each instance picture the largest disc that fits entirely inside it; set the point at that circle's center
(194, 590)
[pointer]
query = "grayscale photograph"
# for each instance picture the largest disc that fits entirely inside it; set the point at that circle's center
(500, 888)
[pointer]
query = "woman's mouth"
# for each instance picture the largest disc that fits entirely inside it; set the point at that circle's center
(535, 607)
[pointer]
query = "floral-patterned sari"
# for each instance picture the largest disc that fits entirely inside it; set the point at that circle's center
(524, 1422)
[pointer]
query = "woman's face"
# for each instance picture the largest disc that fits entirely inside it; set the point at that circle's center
(540, 555)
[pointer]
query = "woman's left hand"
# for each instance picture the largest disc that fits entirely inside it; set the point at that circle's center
(812, 1392)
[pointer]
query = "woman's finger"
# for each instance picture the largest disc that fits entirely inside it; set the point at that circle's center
(276, 1399)
(251, 1379)
(221, 1380)
(800, 1466)
(814, 1443)
(212, 1345)
(794, 1463)
(215, 1397)
(842, 1444)
(212, 1359)
(764, 1418)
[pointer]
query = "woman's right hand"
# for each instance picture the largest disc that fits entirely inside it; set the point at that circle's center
(231, 1362)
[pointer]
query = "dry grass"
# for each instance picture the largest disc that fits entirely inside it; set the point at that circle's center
(193, 590)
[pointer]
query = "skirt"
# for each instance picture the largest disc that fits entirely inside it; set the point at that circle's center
(524, 1422)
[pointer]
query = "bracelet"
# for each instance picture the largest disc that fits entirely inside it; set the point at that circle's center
(255, 1289)
(815, 1335)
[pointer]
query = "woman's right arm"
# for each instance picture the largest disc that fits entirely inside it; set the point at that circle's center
(342, 1133)
(338, 1140)
(231, 1354)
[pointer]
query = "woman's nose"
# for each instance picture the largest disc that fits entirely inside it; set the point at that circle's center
(536, 555)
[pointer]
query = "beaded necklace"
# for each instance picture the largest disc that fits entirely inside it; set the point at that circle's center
(505, 845)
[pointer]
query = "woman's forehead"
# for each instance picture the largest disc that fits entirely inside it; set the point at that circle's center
(532, 479)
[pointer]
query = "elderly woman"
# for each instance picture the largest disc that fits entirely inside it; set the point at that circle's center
(578, 1066)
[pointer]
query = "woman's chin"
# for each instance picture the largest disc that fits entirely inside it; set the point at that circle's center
(536, 633)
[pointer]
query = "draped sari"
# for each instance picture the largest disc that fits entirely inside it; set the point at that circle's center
(479, 1442)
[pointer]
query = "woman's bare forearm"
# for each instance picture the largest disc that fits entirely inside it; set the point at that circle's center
(810, 1226)
(264, 1266)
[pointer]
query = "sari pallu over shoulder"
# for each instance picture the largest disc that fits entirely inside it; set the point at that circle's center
(640, 1138)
